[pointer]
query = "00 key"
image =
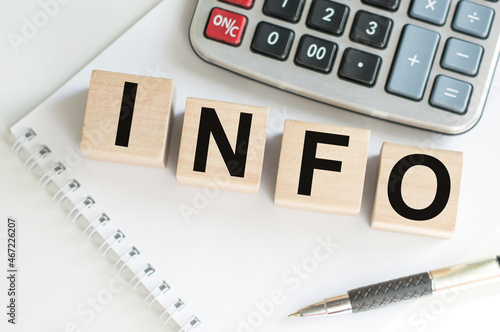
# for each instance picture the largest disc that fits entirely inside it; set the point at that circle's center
(316, 54)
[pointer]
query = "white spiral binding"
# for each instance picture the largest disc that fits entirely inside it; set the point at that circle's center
(158, 291)
(96, 224)
(61, 195)
(117, 237)
(64, 192)
(193, 323)
(80, 208)
(144, 273)
(128, 257)
(27, 136)
(172, 309)
(36, 157)
(47, 177)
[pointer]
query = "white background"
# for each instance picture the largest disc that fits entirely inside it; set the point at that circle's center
(50, 266)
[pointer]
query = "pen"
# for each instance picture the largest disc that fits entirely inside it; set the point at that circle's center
(428, 283)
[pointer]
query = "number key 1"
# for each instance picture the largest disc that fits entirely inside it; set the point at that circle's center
(370, 29)
(288, 10)
(328, 16)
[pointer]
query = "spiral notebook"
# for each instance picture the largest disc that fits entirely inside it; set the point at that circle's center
(207, 259)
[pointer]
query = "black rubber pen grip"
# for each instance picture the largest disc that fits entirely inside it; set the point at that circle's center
(392, 291)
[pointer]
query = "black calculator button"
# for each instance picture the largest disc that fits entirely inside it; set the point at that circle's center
(328, 16)
(272, 40)
(391, 5)
(288, 10)
(371, 29)
(360, 67)
(316, 54)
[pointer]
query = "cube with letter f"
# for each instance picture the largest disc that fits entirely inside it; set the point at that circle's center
(322, 167)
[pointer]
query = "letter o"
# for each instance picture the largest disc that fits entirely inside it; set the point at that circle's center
(396, 181)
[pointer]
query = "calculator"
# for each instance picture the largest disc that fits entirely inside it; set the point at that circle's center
(422, 63)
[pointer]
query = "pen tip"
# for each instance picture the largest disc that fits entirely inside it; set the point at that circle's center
(295, 314)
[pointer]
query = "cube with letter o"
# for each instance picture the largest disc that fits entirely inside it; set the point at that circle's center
(418, 190)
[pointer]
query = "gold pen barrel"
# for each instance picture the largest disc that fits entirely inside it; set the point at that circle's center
(465, 275)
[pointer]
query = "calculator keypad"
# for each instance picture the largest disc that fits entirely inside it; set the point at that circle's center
(413, 62)
(385, 4)
(426, 63)
(371, 29)
(451, 94)
(226, 26)
(328, 16)
(288, 10)
(360, 67)
(462, 57)
(431, 11)
(316, 54)
(473, 19)
(273, 41)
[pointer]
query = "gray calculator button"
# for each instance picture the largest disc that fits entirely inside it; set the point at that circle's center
(413, 62)
(451, 94)
(462, 57)
(473, 19)
(432, 11)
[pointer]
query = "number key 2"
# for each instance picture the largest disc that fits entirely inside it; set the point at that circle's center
(370, 29)
(328, 16)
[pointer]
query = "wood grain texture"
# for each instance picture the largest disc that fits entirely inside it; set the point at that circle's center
(418, 185)
(331, 191)
(216, 174)
(151, 119)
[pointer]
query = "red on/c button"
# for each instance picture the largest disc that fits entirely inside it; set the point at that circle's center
(226, 26)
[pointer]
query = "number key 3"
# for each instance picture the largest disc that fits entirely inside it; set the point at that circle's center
(370, 29)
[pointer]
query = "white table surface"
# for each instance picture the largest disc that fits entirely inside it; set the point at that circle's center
(74, 33)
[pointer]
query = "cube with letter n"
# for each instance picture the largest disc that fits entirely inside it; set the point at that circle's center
(322, 167)
(222, 145)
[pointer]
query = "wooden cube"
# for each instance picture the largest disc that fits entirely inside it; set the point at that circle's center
(127, 119)
(222, 145)
(322, 167)
(417, 190)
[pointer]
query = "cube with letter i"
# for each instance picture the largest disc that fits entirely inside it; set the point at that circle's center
(322, 167)
(222, 145)
(418, 190)
(127, 119)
